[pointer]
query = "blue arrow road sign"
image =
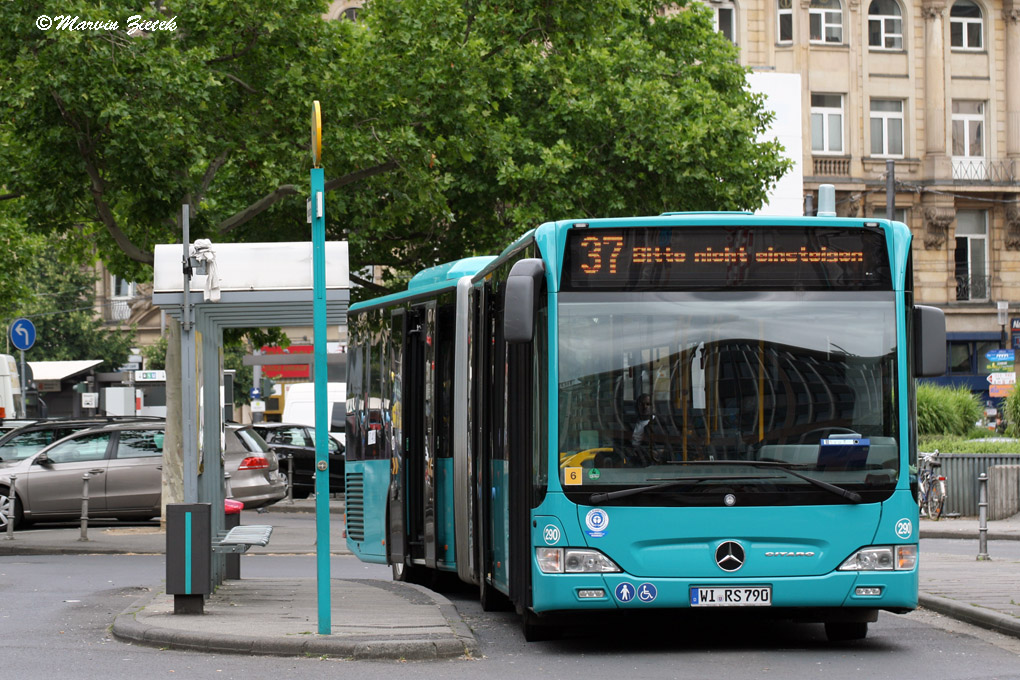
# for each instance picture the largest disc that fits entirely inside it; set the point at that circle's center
(22, 334)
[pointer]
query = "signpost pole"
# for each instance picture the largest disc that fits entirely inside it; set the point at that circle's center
(318, 206)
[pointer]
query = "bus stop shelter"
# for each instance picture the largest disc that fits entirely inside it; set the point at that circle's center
(233, 285)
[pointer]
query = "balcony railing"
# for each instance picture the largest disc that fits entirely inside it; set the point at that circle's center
(831, 167)
(118, 309)
(973, 287)
(984, 170)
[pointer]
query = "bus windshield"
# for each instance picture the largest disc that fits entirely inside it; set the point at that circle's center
(665, 387)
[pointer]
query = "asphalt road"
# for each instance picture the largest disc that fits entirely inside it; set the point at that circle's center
(55, 612)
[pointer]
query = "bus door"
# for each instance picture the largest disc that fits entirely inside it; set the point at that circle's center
(396, 515)
(418, 473)
(520, 428)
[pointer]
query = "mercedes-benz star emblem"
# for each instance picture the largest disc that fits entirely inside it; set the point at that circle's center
(729, 556)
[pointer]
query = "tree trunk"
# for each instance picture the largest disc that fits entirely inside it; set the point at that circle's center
(173, 459)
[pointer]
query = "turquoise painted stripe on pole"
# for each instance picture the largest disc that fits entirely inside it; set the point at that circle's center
(187, 553)
(321, 399)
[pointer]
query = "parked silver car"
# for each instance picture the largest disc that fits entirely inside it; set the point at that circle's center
(125, 461)
(255, 476)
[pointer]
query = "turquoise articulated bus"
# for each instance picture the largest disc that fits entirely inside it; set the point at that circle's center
(676, 412)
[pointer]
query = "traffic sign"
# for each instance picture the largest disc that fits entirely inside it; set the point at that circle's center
(258, 406)
(22, 334)
(1000, 391)
(254, 393)
(1002, 378)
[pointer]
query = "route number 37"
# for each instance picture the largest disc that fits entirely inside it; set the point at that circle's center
(598, 249)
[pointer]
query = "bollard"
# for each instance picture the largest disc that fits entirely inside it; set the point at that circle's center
(290, 479)
(10, 509)
(983, 517)
(84, 507)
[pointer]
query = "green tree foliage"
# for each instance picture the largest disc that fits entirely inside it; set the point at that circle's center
(18, 252)
(449, 127)
(155, 354)
(945, 410)
(61, 307)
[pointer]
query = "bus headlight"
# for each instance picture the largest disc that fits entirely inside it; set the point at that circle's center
(573, 561)
(882, 558)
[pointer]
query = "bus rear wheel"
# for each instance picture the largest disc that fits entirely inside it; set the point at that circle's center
(844, 631)
(404, 573)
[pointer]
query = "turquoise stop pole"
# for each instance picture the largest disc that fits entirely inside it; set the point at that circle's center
(321, 401)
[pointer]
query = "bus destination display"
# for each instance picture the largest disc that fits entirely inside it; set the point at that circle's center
(820, 258)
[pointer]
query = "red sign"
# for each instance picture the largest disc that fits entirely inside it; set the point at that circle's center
(287, 370)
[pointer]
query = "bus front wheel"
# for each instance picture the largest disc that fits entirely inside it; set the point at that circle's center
(536, 629)
(844, 631)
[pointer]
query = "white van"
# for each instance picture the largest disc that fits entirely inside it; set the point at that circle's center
(299, 406)
(12, 404)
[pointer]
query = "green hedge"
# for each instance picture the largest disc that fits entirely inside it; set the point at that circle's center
(1011, 413)
(946, 411)
(964, 445)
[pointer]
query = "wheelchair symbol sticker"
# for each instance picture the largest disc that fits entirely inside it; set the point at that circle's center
(904, 528)
(551, 534)
(596, 520)
(646, 592)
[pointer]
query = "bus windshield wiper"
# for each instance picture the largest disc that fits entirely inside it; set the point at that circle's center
(597, 498)
(851, 496)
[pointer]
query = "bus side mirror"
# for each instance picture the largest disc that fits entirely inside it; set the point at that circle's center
(929, 341)
(522, 287)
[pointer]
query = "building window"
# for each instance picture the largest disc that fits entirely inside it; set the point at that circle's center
(724, 17)
(887, 128)
(351, 13)
(969, 140)
(972, 280)
(885, 25)
(826, 18)
(122, 292)
(899, 214)
(965, 25)
(785, 20)
(827, 123)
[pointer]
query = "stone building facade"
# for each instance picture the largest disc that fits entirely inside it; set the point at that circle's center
(933, 85)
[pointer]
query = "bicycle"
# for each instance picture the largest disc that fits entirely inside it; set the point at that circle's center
(931, 486)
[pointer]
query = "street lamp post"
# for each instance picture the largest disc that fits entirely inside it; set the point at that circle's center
(1002, 307)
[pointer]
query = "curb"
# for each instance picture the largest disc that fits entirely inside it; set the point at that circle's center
(978, 616)
(949, 533)
(127, 628)
(22, 549)
(288, 509)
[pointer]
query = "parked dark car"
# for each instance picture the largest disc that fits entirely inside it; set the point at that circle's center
(288, 439)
